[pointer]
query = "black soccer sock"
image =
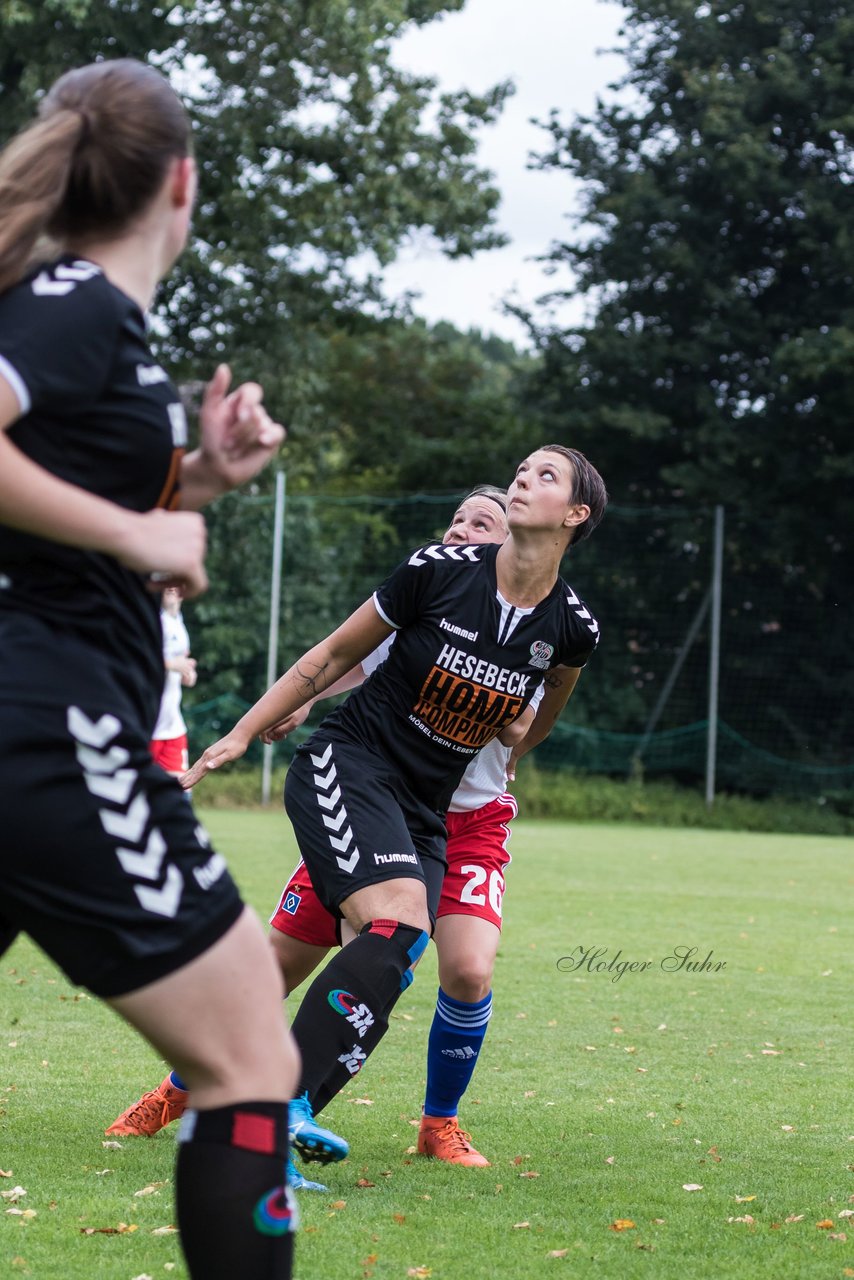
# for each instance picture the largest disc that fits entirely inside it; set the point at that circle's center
(235, 1213)
(344, 1014)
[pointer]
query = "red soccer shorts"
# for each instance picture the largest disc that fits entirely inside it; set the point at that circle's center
(473, 884)
(171, 753)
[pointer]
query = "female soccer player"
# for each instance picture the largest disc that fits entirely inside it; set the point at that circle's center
(105, 866)
(477, 628)
(468, 919)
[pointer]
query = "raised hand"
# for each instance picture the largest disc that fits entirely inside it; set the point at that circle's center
(229, 748)
(238, 436)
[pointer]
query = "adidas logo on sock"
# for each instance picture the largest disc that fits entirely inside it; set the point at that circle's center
(465, 1054)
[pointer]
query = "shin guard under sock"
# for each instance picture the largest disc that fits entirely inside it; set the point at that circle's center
(456, 1038)
(344, 1014)
(234, 1211)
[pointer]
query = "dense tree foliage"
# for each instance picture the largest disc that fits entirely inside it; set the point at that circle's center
(714, 243)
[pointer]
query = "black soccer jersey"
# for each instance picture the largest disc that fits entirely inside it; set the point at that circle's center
(99, 412)
(465, 664)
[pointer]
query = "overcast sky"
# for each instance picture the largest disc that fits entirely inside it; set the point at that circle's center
(551, 50)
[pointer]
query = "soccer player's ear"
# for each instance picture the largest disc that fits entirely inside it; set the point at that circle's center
(183, 189)
(576, 515)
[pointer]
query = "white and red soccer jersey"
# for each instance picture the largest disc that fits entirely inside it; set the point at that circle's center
(176, 644)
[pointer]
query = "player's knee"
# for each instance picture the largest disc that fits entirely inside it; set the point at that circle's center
(468, 980)
(408, 943)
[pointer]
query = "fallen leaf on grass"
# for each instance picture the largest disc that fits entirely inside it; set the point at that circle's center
(4, 1173)
(111, 1146)
(151, 1190)
(122, 1229)
(529, 1173)
(609, 1159)
(338, 1204)
(692, 1186)
(519, 1159)
(14, 1194)
(838, 1235)
(419, 1273)
(622, 1224)
(399, 1218)
(659, 1222)
(363, 1182)
(165, 1231)
(825, 1224)
(21, 1213)
(846, 1213)
(795, 1217)
(747, 1218)
(363, 1102)
(102, 1173)
(787, 1128)
(411, 1151)
(520, 1226)
(743, 1199)
(557, 1253)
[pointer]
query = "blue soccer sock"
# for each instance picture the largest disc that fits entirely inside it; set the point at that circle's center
(453, 1048)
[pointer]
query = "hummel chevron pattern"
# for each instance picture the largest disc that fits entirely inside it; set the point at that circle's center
(66, 279)
(102, 762)
(334, 821)
(148, 864)
(573, 600)
(439, 552)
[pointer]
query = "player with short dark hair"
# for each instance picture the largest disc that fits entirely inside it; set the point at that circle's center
(477, 628)
(105, 865)
(468, 923)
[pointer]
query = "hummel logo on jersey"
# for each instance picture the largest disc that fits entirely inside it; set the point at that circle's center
(463, 1054)
(382, 859)
(148, 374)
(354, 1060)
(458, 631)
(439, 552)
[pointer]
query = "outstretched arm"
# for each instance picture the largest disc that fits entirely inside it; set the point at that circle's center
(309, 678)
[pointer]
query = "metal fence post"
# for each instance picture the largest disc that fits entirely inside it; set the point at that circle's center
(714, 656)
(273, 642)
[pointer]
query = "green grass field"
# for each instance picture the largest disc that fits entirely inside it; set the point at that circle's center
(598, 1098)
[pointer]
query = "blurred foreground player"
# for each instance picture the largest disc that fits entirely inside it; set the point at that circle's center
(119, 884)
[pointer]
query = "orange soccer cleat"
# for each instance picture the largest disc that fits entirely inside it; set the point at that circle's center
(153, 1112)
(442, 1138)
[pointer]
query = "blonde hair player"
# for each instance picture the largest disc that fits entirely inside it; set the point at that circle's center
(98, 502)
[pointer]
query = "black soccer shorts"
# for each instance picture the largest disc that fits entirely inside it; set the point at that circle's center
(357, 823)
(104, 863)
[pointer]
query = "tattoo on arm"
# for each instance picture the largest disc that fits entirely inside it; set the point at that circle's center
(554, 682)
(311, 685)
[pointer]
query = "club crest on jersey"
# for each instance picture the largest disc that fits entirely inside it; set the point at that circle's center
(541, 654)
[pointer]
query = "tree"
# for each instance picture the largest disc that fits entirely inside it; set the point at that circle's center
(314, 150)
(714, 242)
